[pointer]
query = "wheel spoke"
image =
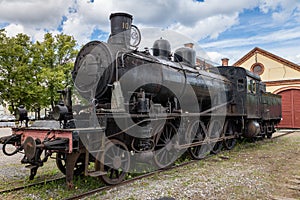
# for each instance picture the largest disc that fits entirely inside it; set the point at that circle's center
(198, 134)
(162, 156)
(109, 156)
(164, 146)
(163, 141)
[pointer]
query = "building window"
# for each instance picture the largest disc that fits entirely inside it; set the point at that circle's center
(257, 68)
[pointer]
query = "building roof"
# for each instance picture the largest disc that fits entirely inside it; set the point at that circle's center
(269, 55)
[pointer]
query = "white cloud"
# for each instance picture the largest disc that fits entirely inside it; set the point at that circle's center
(297, 59)
(274, 37)
(198, 20)
(216, 56)
(81, 31)
(33, 17)
(282, 10)
(34, 13)
(208, 27)
(285, 52)
(12, 29)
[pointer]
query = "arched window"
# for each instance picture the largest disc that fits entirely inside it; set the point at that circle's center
(257, 68)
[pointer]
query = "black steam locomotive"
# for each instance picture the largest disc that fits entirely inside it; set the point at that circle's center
(143, 110)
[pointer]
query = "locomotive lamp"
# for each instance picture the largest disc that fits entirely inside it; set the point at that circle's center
(22, 115)
(60, 112)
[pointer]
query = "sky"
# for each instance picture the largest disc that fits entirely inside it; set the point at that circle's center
(222, 28)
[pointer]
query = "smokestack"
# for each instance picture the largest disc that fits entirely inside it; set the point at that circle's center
(225, 61)
(120, 29)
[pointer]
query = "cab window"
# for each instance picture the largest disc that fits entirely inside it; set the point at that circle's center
(251, 85)
(240, 85)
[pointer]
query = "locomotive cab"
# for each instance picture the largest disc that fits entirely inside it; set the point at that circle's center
(260, 110)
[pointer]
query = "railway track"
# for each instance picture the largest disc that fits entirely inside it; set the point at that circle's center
(30, 185)
(105, 188)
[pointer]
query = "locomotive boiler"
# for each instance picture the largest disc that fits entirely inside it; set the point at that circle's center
(145, 109)
(100, 65)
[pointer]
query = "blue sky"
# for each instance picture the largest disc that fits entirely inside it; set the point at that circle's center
(221, 28)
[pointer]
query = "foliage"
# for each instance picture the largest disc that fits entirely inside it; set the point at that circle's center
(15, 77)
(32, 72)
(54, 61)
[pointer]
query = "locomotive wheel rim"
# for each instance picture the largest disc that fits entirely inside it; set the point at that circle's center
(165, 153)
(215, 130)
(114, 158)
(79, 165)
(217, 148)
(200, 151)
(229, 143)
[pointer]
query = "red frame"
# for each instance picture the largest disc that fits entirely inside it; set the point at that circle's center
(42, 133)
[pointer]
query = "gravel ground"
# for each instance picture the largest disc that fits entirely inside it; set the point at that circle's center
(12, 172)
(195, 182)
(260, 171)
(10, 167)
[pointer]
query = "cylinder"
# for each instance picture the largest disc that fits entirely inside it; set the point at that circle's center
(253, 129)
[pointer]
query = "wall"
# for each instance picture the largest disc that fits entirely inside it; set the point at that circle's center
(273, 71)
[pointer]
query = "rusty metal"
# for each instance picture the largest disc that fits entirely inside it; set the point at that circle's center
(71, 160)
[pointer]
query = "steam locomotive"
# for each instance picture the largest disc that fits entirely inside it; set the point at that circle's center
(143, 111)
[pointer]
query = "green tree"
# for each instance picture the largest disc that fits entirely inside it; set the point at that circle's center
(31, 73)
(15, 71)
(53, 60)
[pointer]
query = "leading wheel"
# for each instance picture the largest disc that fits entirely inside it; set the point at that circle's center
(165, 154)
(61, 163)
(115, 161)
(196, 131)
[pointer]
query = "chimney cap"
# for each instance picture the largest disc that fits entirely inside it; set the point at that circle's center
(121, 14)
(225, 61)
